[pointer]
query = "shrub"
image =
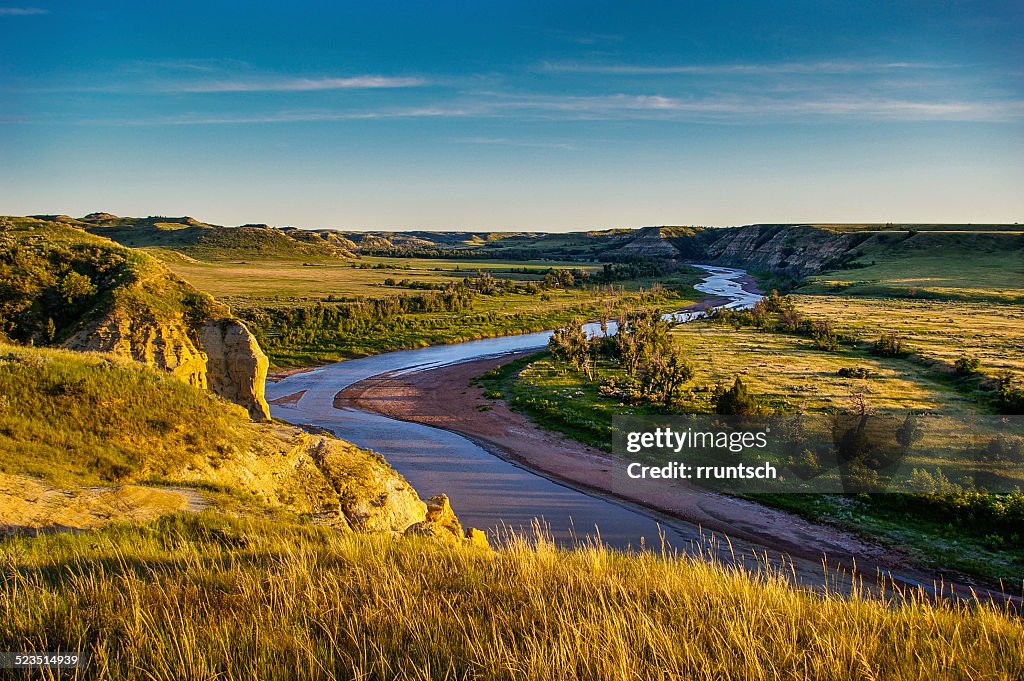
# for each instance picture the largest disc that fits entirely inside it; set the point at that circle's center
(664, 376)
(890, 345)
(824, 335)
(74, 287)
(1004, 448)
(854, 372)
(737, 401)
(967, 365)
(1009, 398)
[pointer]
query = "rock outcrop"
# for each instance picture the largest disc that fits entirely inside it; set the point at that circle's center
(649, 242)
(792, 250)
(370, 495)
(442, 523)
(236, 368)
(220, 355)
(146, 340)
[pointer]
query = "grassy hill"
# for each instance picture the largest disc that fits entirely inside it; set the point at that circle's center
(56, 278)
(204, 241)
(970, 266)
(844, 243)
(97, 419)
(81, 433)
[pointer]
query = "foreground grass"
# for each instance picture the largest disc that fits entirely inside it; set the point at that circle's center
(207, 597)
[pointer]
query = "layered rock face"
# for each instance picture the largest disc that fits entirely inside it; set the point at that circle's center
(792, 250)
(143, 339)
(236, 368)
(221, 355)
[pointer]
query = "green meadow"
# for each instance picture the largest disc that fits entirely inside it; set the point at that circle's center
(959, 298)
(284, 303)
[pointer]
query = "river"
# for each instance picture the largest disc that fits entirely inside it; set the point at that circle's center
(485, 490)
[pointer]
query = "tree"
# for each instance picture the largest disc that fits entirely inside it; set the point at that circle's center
(910, 432)
(966, 365)
(570, 343)
(642, 335)
(74, 287)
(737, 401)
(665, 375)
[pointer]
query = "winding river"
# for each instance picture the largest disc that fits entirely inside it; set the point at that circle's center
(485, 490)
(497, 495)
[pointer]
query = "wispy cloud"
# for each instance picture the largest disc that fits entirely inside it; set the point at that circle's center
(22, 11)
(185, 65)
(620, 107)
(581, 38)
(200, 76)
(819, 67)
(754, 108)
(291, 116)
(505, 141)
(297, 84)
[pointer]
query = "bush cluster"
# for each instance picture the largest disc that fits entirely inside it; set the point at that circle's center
(777, 313)
(655, 370)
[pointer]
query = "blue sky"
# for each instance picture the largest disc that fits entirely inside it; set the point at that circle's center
(518, 115)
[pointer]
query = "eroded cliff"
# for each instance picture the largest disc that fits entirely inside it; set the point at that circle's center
(83, 292)
(796, 251)
(236, 368)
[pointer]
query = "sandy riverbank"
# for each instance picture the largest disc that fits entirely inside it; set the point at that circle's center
(275, 375)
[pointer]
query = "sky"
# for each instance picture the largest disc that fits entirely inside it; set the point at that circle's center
(514, 115)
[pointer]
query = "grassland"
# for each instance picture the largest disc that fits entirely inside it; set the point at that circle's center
(209, 597)
(269, 280)
(562, 399)
(933, 330)
(956, 295)
(266, 295)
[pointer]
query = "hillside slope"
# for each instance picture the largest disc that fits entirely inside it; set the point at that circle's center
(61, 286)
(73, 424)
(210, 242)
(791, 250)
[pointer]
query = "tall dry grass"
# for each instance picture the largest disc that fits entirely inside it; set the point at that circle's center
(206, 597)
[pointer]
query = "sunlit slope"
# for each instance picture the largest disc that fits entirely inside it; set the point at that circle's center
(73, 421)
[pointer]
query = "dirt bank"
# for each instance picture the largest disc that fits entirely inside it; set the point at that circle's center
(30, 506)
